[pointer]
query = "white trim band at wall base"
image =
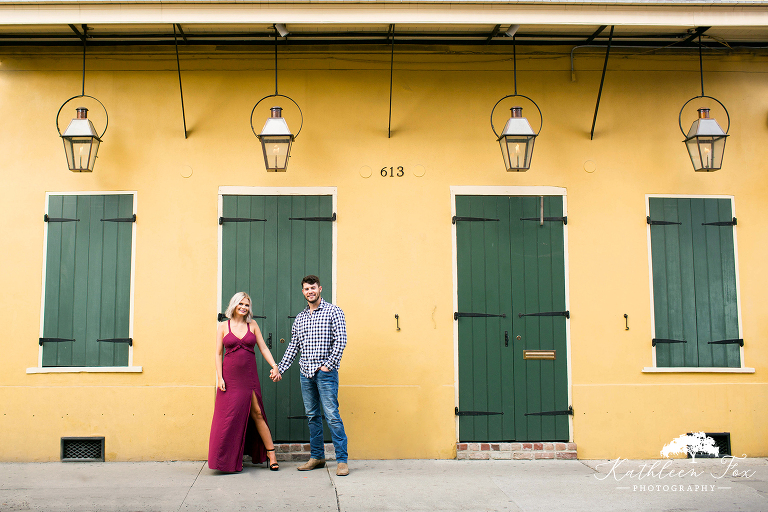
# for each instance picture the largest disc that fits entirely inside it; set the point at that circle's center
(653, 369)
(87, 369)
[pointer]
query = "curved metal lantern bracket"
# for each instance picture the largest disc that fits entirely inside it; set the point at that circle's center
(680, 115)
(275, 96)
(83, 96)
(541, 118)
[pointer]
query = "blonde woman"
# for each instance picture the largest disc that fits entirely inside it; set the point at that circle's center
(239, 425)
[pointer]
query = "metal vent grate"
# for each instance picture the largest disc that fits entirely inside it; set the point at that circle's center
(82, 449)
(722, 441)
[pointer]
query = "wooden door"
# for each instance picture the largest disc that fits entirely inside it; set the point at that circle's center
(512, 318)
(269, 243)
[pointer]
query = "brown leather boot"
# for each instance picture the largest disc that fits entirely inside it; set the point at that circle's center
(342, 469)
(312, 464)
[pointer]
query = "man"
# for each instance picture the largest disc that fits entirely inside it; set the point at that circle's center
(320, 333)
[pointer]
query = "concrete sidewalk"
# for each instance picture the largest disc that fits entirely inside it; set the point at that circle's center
(551, 486)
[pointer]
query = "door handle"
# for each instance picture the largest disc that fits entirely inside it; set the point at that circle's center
(519, 337)
(269, 341)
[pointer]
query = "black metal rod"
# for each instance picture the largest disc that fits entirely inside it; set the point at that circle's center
(701, 68)
(514, 59)
(275, 27)
(602, 81)
(391, 74)
(181, 91)
(85, 35)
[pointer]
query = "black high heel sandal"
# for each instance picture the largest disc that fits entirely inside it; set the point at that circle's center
(273, 466)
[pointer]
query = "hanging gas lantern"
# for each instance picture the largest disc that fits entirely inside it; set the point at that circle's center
(81, 142)
(276, 141)
(517, 142)
(705, 139)
(706, 143)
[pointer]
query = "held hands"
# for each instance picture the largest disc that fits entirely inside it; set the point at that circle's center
(275, 375)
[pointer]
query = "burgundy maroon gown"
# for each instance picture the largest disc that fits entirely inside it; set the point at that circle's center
(233, 431)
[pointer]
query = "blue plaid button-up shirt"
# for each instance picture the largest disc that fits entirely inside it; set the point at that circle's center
(320, 336)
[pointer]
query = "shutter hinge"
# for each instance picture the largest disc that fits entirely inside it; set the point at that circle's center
(739, 342)
(222, 220)
(129, 341)
(663, 340)
(564, 220)
(221, 317)
(296, 417)
(457, 412)
(566, 314)
(659, 222)
(332, 218)
(569, 412)
(53, 340)
(454, 219)
(457, 315)
(46, 218)
(723, 223)
(132, 218)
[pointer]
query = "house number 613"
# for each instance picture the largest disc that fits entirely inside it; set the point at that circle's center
(392, 171)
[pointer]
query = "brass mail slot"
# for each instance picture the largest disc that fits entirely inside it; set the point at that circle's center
(539, 354)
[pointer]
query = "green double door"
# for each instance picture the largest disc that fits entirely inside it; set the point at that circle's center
(513, 370)
(269, 243)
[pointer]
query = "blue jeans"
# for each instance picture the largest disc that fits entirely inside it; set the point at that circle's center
(321, 397)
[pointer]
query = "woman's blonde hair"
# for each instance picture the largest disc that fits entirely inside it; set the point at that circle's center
(234, 301)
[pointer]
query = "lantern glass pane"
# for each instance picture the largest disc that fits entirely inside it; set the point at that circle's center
(517, 152)
(81, 153)
(276, 152)
(706, 152)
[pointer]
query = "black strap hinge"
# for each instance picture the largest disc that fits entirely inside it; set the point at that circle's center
(566, 314)
(46, 218)
(296, 417)
(740, 342)
(659, 222)
(54, 340)
(132, 218)
(456, 316)
(723, 223)
(569, 412)
(564, 220)
(221, 317)
(454, 219)
(332, 218)
(457, 412)
(663, 340)
(222, 220)
(129, 341)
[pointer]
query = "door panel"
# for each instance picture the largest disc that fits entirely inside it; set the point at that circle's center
(267, 258)
(514, 267)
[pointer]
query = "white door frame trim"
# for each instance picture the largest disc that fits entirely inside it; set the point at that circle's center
(508, 191)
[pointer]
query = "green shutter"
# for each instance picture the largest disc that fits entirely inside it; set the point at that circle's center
(88, 280)
(267, 259)
(694, 282)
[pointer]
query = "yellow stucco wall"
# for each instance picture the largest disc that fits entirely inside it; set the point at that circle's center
(394, 250)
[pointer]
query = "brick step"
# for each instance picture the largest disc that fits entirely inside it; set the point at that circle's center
(516, 451)
(300, 451)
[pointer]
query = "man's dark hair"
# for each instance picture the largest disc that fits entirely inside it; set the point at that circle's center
(310, 279)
